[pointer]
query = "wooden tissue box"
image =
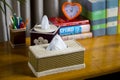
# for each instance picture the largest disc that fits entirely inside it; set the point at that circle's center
(17, 37)
(43, 62)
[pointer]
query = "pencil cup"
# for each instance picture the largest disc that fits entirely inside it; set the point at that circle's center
(17, 36)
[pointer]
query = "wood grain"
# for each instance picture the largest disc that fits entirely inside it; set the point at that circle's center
(102, 56)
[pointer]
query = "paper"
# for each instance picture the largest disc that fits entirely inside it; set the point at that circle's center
(45, 23)
(56, 44)
(45, 27)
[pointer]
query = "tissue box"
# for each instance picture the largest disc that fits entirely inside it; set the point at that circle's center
(43, 62)
(46, 36)
(17, 37)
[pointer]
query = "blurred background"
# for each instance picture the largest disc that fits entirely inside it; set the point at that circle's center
(32, 9)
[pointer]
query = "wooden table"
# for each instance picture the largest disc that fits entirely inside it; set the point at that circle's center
(102, 56)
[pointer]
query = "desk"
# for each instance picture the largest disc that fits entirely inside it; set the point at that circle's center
(102, 56)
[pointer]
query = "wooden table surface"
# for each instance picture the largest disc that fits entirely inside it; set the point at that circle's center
(102, 56)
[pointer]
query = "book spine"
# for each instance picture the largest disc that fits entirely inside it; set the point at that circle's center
(118, 30)
(61, 22)
(70, 30)
(112, 15)
(96, 15)
(95, 5)
(95, 11)
(77, 36)
(99, 30)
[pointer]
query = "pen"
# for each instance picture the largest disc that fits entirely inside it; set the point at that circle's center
(15, 20)
(18, 23)
(14, 26)
(22, 25)
(26, 22)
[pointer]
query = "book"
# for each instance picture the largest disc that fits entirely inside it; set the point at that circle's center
(70, 30)
(78, 36)
(118, 29)
(95, 11)
(112, 16)
(70, 27)
(62, 21)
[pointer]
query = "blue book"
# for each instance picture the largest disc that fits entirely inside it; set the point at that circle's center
(95, 11)
(69, 30)
(76, 29)
(112, 15)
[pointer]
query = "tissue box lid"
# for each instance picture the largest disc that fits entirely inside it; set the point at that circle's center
(39, 51)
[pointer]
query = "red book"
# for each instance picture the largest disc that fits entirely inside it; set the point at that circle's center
(62, 21)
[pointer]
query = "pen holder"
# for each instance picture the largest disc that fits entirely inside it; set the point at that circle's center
(17, 36)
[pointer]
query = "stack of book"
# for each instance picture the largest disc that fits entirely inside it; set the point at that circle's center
(95, 11)
(112, 15)
(75, 29)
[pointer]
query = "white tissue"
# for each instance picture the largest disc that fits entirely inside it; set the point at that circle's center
(45, 23)
(56, 44)
(45, 27)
